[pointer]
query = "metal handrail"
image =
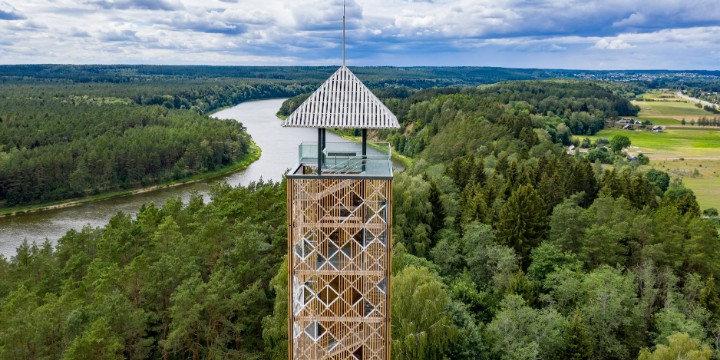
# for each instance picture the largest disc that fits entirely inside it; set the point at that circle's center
(346, 157)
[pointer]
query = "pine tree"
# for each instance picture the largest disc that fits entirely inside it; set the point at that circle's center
(579, 345)
(709, 297)
(523, 222)
(438, 211)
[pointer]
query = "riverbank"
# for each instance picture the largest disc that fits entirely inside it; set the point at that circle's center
(252, 156)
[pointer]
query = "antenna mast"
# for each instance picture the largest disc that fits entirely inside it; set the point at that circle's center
(343, 49)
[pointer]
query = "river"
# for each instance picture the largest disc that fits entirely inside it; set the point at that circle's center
(279, 152)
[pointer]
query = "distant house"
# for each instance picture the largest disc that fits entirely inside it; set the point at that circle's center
(584, 150)
(622, 121)
(657, 128)
(627, 127)
(571, 150)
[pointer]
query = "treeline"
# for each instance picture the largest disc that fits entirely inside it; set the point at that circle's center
(199, 95)
(560, 108)
(55, 148)
(416, 77)
(505, 247)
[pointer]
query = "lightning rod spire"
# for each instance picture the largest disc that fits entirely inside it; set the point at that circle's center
(343, 45)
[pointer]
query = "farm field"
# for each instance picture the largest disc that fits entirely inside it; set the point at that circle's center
(691, 153)
(705, 182)
(658, 95)
(669, 108)
(675, 122)
(694, 143)
(666, 109)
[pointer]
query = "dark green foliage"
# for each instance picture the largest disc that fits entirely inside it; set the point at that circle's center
(182, 281)
(54, 150)
(579, 345)
(681, 198)
(522, 222)
(504, 247)
(619, 142)
(659, 179)
(710, 212)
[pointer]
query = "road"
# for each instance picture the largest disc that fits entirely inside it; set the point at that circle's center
(695, 100)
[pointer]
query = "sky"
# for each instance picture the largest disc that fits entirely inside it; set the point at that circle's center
(557, 34)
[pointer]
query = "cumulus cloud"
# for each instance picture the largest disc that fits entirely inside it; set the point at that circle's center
(612, 44)
(119, 35)
(324, 16)
(138, 4)
(8, 12)
(27, 25)
(228, 21)
(557, 33)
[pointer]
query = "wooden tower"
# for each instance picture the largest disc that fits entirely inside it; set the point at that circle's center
(339, 228)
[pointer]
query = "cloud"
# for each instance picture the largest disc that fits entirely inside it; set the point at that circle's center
(118, 35)
(521, 33)
(8, 12)
(326, 17)
(166, 5)
(228, 22)
(27, 25)
(612, 44)
(79, 33)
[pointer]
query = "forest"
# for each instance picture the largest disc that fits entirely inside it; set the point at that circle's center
(61, 140)
(505, 247)
(53, 149)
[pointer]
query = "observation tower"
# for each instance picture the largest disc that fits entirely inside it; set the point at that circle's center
(339, 227)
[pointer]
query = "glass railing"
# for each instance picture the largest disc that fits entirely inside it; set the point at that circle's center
(347, 158)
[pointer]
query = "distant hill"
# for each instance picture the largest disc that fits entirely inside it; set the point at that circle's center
(416, 77)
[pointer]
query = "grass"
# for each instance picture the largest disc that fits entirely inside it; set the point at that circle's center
(691, 152)
(658, 94)
(662, 121)
(242, 163)
(705, 182)
(669, 108)
(671, 143)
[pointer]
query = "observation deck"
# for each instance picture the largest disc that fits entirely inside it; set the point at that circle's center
(343, 160)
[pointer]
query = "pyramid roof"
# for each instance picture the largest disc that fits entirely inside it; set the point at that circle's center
(343, 102)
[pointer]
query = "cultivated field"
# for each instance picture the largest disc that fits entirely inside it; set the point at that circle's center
(702, 176)
(666, 109)
(689, 152)
(669, 108)
(692, 154)
(671, 144)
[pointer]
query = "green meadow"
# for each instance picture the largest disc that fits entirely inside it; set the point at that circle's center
(702, 176)
(669, 108)
(691, 153)
(671, 143)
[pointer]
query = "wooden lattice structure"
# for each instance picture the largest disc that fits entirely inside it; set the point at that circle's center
(339, 228)
(339, 268)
